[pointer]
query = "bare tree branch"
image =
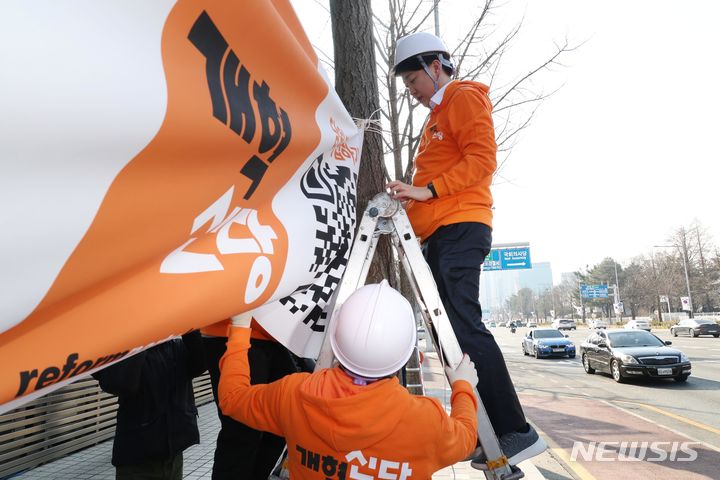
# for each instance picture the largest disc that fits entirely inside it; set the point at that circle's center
(550, 61)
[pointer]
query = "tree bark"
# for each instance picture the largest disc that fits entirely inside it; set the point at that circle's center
(356, 84)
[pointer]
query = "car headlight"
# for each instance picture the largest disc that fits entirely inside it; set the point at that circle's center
(628, 359)
(684, 358)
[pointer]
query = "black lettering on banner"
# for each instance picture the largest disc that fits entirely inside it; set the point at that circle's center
(254, 169)
(53, 374)
(110, 358)
(271, 134)
(237, 88)
(25, 378)
(48, 376)
(83, 367)
(233, 84)
(287, 134)
(208, 39)
(70, 363)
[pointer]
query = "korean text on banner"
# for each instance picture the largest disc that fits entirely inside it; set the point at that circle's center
(188, 162)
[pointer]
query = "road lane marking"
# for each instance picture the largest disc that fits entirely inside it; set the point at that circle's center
(573, 465)
(679, 418)
(677, 432)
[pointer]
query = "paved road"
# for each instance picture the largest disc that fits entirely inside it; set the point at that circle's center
(570, 405)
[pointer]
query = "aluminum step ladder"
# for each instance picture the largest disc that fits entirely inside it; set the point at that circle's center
(385, 216)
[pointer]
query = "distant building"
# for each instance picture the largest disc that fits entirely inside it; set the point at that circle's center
(568, 277)
(498, 286)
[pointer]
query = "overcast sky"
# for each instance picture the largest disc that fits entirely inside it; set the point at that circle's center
(627, 150)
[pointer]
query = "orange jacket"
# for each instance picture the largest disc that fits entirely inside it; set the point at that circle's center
(335, 429)
(457, 154)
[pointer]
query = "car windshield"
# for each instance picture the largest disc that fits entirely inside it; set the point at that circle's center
(634, 339)
(548, 334)
(702, 320)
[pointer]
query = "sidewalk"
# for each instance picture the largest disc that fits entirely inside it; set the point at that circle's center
(94, 463)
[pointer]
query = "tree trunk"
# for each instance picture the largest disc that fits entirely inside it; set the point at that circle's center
(356, 84)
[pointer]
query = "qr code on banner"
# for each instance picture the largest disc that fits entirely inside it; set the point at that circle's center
(330, 187)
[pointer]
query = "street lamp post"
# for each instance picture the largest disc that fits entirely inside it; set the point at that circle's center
(618, 310)
(687, 277)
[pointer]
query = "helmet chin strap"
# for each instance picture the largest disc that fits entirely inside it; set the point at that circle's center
(427, 70)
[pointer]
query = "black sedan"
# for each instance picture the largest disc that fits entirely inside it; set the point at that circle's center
(696, 327)
(633, 353)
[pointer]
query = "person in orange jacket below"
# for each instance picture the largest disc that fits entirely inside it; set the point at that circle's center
(355, 418)
(449, 205)
(242, 451)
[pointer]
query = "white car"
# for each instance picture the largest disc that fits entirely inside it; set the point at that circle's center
(638, 325)
(598, 323)
(564, 324)
(532, 324)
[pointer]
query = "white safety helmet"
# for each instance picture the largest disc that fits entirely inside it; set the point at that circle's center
(418, 44)
(374, 333)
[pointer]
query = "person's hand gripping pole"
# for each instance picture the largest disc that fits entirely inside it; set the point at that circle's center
(464, 371)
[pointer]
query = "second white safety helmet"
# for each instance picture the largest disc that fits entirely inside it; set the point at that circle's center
(374, 333)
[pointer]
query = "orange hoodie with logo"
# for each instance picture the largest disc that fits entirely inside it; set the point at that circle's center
(336, 429)
(457, 154)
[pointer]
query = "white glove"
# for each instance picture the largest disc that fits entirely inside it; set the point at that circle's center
(464, 371)
(242, 320)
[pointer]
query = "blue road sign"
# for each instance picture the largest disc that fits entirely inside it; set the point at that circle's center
(492, 261)
(507, 258)
(593, 291)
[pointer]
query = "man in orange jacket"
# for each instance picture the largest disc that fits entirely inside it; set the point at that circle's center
(450, 207)
(356, 419)
(242, 451)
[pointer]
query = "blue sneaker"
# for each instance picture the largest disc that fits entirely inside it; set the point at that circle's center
(516, 446)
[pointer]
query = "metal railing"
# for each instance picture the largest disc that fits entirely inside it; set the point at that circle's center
(64, 421)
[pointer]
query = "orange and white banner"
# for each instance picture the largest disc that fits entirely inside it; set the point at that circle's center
(163, 166)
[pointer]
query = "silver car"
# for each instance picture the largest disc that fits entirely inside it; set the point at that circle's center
(564, 324)
(695, 327)
(638, 324)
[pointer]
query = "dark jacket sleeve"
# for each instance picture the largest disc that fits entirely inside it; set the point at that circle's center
(195, 354)
(123, 377)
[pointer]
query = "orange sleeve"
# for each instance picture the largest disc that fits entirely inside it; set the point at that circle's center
(219, 329)
(458, 435)
(470, 120)
(257, 406)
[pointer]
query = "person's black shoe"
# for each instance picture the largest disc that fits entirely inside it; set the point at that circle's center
(516, 446)
(475, 454)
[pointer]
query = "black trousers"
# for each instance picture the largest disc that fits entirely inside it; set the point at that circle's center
(455, 254)
(166, 469)
(240, 451)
